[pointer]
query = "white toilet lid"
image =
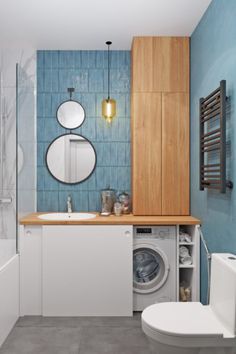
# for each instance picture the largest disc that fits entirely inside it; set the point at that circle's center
(184, 319)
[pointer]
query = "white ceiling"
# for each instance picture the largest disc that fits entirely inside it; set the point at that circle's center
(87, 24)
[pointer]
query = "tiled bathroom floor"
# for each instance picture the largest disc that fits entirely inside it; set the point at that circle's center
(83, 335)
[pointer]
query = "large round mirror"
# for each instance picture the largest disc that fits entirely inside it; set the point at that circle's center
(70, 114)
(71, 158)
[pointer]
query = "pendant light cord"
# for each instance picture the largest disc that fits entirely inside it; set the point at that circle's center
(108, 59)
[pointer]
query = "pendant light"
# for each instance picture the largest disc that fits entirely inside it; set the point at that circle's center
(108, 104)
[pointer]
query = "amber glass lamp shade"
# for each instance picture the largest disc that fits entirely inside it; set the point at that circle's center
(109, 109)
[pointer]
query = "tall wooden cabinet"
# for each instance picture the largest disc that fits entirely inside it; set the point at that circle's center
(160, 125)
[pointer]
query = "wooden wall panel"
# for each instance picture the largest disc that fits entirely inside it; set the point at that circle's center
(175, 154)
(146, 153)
(170, 64)
(142, 64)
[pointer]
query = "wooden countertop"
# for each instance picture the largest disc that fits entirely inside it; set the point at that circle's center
(130, 219)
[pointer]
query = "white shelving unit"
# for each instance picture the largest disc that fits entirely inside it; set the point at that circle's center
(189, 274)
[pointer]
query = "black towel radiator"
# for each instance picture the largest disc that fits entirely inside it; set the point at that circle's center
(212, 117)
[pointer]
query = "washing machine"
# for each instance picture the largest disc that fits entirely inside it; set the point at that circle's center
(154, 265)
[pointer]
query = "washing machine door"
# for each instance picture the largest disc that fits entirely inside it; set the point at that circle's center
(150, 268)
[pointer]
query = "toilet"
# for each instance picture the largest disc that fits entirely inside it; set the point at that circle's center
(193, 328)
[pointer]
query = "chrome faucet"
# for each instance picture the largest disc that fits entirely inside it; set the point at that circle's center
(69, 204)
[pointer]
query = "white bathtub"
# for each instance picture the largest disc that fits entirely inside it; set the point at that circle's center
(9, 296)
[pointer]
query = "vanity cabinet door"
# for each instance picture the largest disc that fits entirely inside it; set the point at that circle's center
(87, 270)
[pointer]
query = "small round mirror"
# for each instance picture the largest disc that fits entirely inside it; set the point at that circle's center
(71, 158)
(70, 114)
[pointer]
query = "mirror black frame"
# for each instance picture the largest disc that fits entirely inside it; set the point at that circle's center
(70, 100)
(71, 183)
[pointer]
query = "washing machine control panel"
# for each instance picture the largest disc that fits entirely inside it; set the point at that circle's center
(160, 232)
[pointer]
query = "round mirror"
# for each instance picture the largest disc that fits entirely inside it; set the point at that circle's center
(71, 158)
(70, 114)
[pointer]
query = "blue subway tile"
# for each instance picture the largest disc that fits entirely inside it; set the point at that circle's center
(114, 150)
(51, 80)
(99, 98)
(86, 71)
(51, 129)
(102, 177)
(114, 58)
(105, 153)
(51, 59)
(123, 176)
(120, 80)
(47, 105)
(40, 104)
(91, 181)
(40, 154)
(94, 201)
(123, 129)
(96, 80)
(120, 105)
(89, 129)
(127, 105)
(88, 101)
(47, 201)
(55, 102)
(101, 59)
(67, 78)
(127, 154)
(88, 59)
(40, 59)
(40, 178)
(40, 129)
(81, 80)
(99, 129)
(66, 59)
(78, 59)
(121, 154)
(114, 178)
(69, 187)
(50, 183)
(40, 80)
(81, 201)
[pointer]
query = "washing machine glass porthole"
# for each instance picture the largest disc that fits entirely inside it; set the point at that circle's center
(150, 270)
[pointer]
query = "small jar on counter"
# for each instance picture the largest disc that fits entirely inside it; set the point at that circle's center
(118, 208)
(124, 199)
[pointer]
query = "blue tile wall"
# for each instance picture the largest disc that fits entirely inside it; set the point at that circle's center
(86, 71)
(213, 58)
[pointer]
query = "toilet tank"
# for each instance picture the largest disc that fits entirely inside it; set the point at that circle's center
(223, 289)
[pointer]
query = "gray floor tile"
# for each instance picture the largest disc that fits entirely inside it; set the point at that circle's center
(35, 340)
(101, 340)
(74, 322)
(77, 335)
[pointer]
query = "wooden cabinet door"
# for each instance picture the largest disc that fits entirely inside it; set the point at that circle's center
(142, 64)
(146, 153)
(170, 64)
(175, 154)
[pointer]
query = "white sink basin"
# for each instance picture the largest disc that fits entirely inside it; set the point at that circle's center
(66, 216)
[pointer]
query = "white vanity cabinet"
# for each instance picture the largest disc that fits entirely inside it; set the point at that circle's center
(85, 270)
